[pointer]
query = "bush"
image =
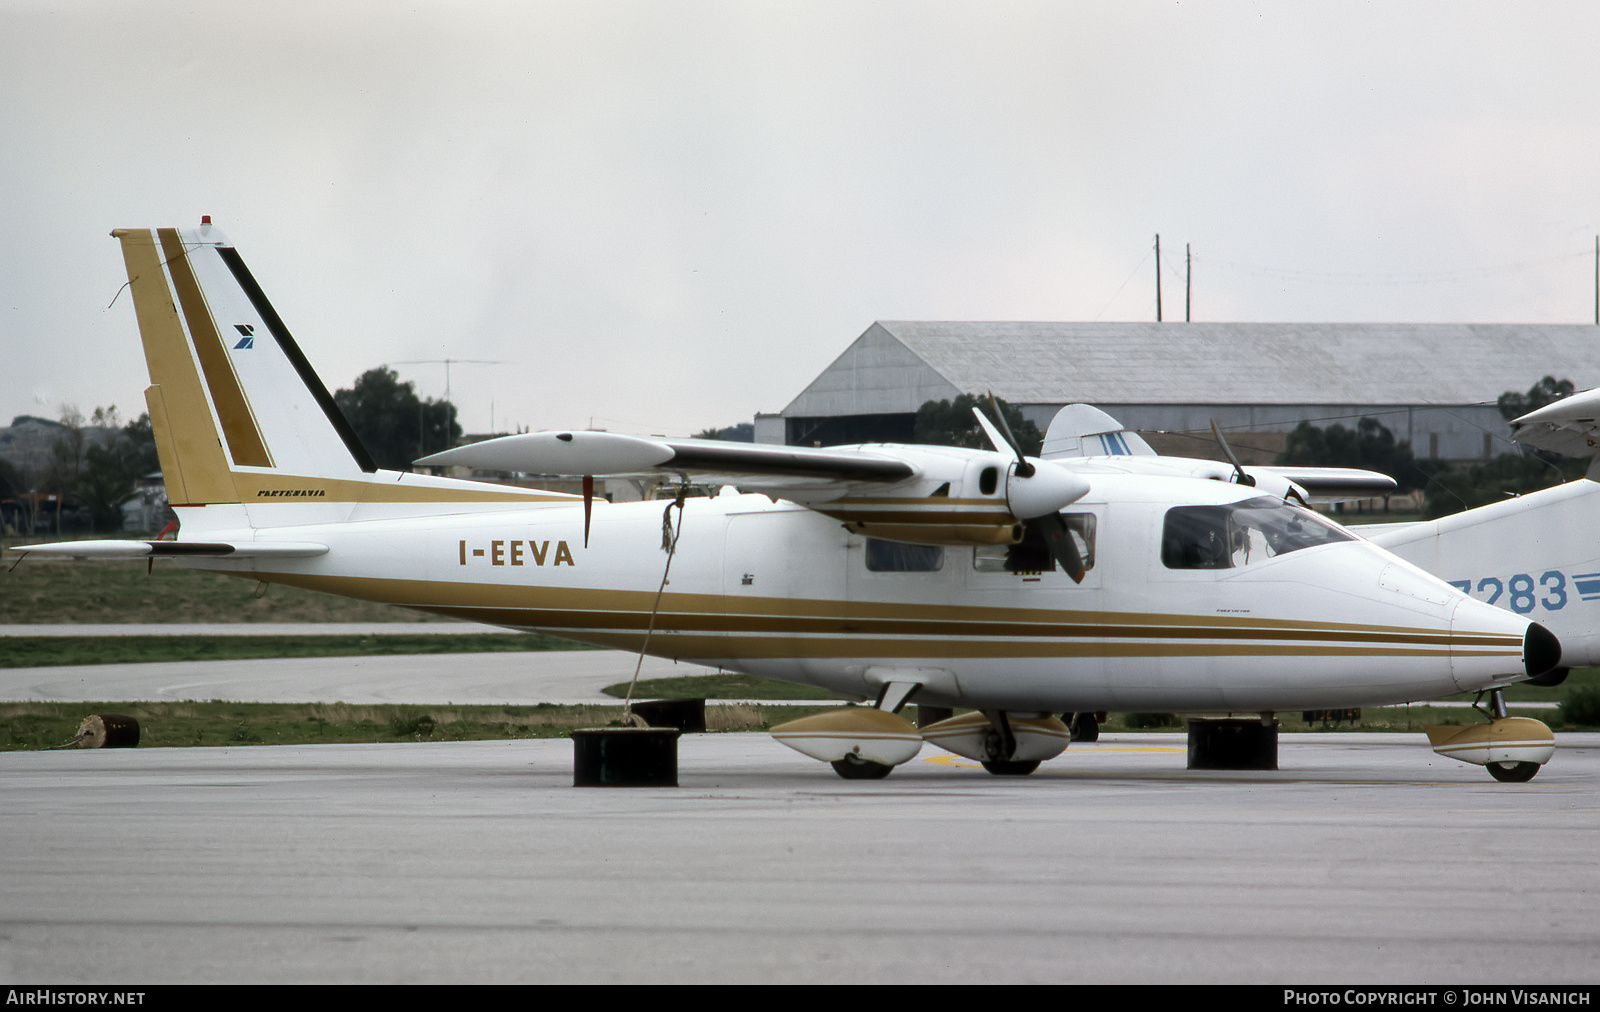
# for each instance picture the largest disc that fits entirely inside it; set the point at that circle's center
(407, 723)
(1581, 705)
(1143, 721)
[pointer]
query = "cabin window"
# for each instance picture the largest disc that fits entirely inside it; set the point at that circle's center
(1227, 537)
(1031, 554)
(894, 557)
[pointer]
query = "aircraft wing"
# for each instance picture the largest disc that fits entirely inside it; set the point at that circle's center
(1570, 426)
(1080, 430)
(122, 549)
(610, 453)
(1332, 484)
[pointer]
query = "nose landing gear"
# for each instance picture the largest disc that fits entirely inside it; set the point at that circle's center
(1513, 748)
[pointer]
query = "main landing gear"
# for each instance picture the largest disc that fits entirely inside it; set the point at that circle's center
(1084, 726)
(1513, 748)
(865, 744)
(853, 767)
(1007, 744)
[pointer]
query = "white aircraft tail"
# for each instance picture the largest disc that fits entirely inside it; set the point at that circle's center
(238, 414)
(1079, 430)
(1536, 554)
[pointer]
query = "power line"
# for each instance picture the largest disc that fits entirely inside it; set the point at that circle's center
(1392, 278)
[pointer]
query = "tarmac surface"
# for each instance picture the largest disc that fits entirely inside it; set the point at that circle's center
(544, 676)
(1365, 859)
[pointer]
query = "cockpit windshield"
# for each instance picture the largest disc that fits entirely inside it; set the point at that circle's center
(1240, 534)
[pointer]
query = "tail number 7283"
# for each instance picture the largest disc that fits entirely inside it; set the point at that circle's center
(1521, 593)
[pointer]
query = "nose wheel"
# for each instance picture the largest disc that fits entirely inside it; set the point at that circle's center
(1513, 773)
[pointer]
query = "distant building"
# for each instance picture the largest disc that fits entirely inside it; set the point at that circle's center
(1434, 384)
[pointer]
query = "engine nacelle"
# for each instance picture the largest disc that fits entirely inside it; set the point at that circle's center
(852, 733)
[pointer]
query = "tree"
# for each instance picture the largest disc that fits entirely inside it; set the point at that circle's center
(393, 423)
(1506, 476)
(1510, 474)
(95, 465)
(744, 432)
(950, 423)
(1370, 445)
(1546, 391)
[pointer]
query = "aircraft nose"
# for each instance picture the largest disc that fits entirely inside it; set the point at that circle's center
(1541, 651)
(1488, 644)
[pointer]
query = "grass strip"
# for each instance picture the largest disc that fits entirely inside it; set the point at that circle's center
(89, 591)
(33, 726)
(54, 651)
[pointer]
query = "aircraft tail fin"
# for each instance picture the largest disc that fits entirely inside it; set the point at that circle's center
(239, 415)
(1079, 430)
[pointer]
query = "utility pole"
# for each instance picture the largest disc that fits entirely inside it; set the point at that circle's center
(1158, 277)
(1597, 280)
(1188, 281)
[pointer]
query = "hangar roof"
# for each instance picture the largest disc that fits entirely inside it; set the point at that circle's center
(896, 365)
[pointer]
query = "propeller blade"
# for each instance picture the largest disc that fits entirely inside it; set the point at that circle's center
(1024, 469)
(588, 505)
(1058, 536)
(1240, 478)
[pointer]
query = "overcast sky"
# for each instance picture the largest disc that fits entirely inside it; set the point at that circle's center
(663, 217)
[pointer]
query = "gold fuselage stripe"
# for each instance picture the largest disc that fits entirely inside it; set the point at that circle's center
(619, 618)
(427, 593)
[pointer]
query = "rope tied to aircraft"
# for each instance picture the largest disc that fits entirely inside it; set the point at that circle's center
(669, 544)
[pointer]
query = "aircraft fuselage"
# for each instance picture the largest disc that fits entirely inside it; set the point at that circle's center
(781, 591)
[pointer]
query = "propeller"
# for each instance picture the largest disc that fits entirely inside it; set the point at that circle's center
(1037, 492)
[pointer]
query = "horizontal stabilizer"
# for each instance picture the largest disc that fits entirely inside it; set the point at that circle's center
(610, 453)
(1570, 426)
(168, 549)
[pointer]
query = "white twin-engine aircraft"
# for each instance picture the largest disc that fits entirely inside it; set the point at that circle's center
(1099, 578)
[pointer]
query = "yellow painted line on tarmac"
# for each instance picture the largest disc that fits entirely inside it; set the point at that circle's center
(962, 761)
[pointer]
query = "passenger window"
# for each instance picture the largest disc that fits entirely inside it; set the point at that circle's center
(894, 557)
(1032, 555)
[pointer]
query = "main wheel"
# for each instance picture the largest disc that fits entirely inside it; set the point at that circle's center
(855, 768)
(1011, 768)
(1513, 773)
(1084, 727)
